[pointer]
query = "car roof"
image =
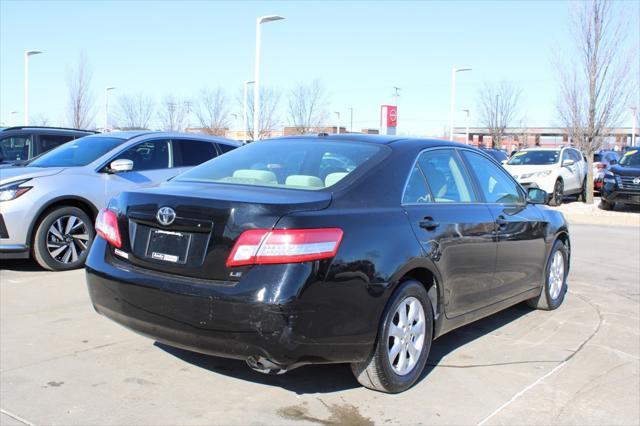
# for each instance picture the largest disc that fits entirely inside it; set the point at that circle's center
(396, 141)
(131, 134)
(46, 129)
(545, 148)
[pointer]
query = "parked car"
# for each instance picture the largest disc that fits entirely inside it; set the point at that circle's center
(267, 255)
(602, 161)
(21, 143)
(559, 171)
(622, 182)
(47, 207)
(497, 154)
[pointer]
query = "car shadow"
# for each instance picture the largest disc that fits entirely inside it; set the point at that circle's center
(328, 378)
(21, 265)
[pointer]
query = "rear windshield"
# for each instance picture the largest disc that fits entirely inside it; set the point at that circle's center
(79, 152)
(299, 164)
(524, 158)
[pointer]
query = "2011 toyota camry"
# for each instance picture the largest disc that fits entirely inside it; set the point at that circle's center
(328, 249)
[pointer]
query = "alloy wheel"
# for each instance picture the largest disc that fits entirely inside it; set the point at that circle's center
(556, 275)
(67, 239)
(406, 336)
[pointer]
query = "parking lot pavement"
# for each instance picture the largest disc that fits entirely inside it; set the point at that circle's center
(61, 363)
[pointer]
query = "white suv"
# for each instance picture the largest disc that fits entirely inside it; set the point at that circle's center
(559, 171)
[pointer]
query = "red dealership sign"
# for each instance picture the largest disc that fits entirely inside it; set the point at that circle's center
(392, 116)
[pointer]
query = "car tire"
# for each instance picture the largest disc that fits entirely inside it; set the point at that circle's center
(389, 373)
(63, 238)
(555, 280)
(606, 205)
(583, 193)
(558, 193)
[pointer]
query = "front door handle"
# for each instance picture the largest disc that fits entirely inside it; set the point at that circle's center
(428, 223)
(501, 222)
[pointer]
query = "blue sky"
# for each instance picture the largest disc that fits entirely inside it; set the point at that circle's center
(359, 50)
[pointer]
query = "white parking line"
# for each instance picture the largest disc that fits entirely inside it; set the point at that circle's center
(16, 417)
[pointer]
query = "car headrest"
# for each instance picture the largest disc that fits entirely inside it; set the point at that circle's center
(333, 178)
(304, 181)
(260, 175)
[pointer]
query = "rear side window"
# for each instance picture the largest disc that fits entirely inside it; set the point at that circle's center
(16, 148)
(446, 176)
(226, 147)
(416, 191)
(192, 152)
(292, 163)
(150, 155)
(48, 142)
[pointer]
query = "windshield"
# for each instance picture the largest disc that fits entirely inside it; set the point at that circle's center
(79, 152)
(531, 158)
(294, 163)
(631, 159)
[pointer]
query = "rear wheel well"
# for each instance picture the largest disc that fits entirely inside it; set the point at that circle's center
(85, 206)
(428, 280)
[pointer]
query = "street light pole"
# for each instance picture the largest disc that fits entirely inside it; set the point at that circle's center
(245, 119)
(633, 134)
(106, 107)
(337, 122)
(351, 120)
(454, 71)
(256, 86)
(466, 137)
(26, 83)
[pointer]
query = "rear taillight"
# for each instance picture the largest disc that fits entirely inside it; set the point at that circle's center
(601, 166)
(264, 246)
(107, 227)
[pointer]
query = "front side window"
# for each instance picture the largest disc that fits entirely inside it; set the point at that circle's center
(292, 163)
(445, 176)
(79, 152)
(15, 148)
(191, 152)
(495, 185)
(534, 158)
(149, 155)
(416, 190)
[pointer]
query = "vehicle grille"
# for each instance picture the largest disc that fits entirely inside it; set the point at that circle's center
(626, 182)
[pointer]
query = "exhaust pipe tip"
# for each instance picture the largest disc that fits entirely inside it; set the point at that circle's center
(264, 366)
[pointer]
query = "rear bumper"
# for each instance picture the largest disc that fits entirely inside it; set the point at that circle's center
(232, 320)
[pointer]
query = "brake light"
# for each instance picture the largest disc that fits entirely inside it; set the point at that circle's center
(264, 246)
(107, 227)
(601, 166)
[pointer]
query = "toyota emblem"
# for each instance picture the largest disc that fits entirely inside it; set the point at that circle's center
(636, 181)
(166, 216)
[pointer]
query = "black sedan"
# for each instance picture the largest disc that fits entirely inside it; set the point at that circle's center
(328, 249)
(621, 183)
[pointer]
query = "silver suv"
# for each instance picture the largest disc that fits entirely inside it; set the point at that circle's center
(47, 207)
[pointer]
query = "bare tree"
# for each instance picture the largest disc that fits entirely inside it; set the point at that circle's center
(595, 83)
(523, 135)
(213, 113)
(41, 120)
(172, 113)
(498, 105)
(269, 102)
(81, 100)
(307, 107)
(134, 112)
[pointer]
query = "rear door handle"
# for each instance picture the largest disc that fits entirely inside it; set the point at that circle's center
(428, 223)
(501, 222)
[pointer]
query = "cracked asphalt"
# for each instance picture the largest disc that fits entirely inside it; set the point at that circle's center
(61, 363)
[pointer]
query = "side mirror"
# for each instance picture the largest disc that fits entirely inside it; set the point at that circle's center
(537, 196)
(613, 162)
(121, 165)
(568, 162)
(504, 162)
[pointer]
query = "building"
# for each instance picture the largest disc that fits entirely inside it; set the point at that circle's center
(520, 137)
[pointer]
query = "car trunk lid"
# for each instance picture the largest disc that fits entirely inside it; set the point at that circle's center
(208, 220)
